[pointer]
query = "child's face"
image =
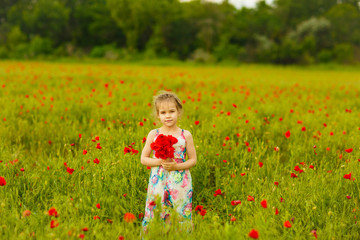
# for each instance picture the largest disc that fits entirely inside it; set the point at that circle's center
(168, 113)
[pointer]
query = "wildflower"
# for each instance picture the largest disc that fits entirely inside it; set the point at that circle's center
(264, 203)
(235, 202)
(287, 134)
(347, 176)
(218, 192)
(349, 150)
(129, 217)
(52, 212)
(287, 224)
(254, 234)
(54, 223)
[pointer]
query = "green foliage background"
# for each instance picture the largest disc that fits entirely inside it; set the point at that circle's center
(286, 32)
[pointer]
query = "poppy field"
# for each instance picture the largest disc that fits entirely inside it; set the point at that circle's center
(278, 150)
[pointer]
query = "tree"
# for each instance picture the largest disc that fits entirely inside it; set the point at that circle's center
(345, 21)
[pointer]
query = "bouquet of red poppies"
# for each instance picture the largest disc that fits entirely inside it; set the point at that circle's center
(163, 146)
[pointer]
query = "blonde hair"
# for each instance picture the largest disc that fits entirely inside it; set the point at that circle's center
(166, 96)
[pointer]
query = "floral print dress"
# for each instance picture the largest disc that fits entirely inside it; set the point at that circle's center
(174, 188)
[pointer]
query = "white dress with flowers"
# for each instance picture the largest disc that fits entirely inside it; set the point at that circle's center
(174, 188)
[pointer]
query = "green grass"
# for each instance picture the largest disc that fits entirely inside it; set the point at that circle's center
(44, 102)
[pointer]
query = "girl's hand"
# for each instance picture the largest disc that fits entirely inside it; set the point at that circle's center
(169, 164)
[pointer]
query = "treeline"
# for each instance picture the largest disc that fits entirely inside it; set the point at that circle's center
(287, 32)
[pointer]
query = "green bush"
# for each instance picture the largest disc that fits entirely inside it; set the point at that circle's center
(20, 51)
(325, 56)
(226, 51)
(40, 46)
(4, 53)
(344, 53)
(105, 51)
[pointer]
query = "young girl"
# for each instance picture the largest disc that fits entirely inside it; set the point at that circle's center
(170, 179)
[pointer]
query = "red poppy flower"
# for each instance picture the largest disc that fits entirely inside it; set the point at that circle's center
(80, 135)
(96, 160)
(98, 146)
(96, 217)
(2, 181)
(129, 217)
(293, 175)
(264, 203)
(349, 150)
(303, 129)
(250, 198)
(287, 134)
(276, 183)
(198, 208)
(197, 122)
(347, 176)
(218, 192)
(202, 212)
(254, 234)
(98, 205)
(70, 170)
(297, 168)
(54, 223)
(52, 212)
(260, 164)
(287, 224)
(242, 174)
(234, 105)
(235, 202)
(127, 150)
(348, 197)
(85, 152)
(311, 166)
(81, 236)
(233, 219)
(85, 229)
(163, 146)
(314, 233)
(276, 211)
(97, 138)
(144, 139)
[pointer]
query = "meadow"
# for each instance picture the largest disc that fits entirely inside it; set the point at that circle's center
(277, 150)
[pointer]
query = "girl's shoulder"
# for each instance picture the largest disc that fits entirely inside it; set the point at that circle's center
(187, 133)
(153, 132)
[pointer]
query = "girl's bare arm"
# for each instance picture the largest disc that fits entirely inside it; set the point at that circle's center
(145, 154)
(191, 162)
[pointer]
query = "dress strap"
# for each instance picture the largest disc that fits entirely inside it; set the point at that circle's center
(182, 132)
